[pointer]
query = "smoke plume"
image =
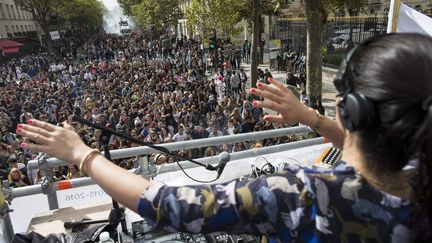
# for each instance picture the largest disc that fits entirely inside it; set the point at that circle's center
(112, 17)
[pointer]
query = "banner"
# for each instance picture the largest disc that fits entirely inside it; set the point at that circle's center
(55, 35)
(408, 20)
(275, 44)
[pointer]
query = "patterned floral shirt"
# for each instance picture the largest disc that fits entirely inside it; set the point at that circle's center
(299, 204)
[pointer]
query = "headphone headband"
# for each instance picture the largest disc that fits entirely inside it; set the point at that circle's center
(356, 111)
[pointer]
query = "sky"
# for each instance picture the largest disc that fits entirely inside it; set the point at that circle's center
(110, 4)
(113, 16)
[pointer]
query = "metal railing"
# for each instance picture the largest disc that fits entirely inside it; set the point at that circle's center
(142, 153)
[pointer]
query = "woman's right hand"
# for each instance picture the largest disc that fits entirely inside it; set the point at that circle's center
(279, 98)
(60, 142)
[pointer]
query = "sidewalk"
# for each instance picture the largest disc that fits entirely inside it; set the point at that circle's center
(329, 92)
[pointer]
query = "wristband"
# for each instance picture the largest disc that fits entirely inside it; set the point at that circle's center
(87, 158)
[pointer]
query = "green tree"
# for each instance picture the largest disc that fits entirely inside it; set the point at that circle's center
(156, 13)
(41, 10)
(220, 16)
(82, 13)
(259, 7)
(127, 5)
(316, 15)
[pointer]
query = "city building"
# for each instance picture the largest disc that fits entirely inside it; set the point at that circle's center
(182, 26)
(15, 22)
(377, 8)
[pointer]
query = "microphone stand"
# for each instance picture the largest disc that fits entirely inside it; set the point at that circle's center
(117, 214)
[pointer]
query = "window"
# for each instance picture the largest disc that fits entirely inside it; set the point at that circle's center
(18, 12)
(8, 11)
(1, 11)
(13, 11)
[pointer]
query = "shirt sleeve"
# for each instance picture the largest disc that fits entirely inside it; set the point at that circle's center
(269, 205)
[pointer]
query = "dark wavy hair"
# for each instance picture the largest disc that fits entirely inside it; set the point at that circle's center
(395, 72)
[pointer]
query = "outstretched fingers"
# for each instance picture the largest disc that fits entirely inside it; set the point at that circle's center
(279, 85)
(274, 118)
(43, 125)
(267, 92)
(36, 134)
(35, 147)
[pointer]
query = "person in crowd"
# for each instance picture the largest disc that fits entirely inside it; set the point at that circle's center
(383, 122)
(40, 177)
(293, 80)
(319, 107)
(181, 135)
(73, 172)
(134, 93)
(17, 179)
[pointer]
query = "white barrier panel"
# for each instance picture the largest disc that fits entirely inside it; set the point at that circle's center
(24, 210)
(237, 168)
(26, 207)
(81, 196)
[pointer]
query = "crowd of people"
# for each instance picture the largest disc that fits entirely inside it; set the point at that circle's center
(159, 90)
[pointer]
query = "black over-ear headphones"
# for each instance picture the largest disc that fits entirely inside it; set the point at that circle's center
(356, 111)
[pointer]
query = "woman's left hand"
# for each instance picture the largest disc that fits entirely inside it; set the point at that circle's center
(60, 142)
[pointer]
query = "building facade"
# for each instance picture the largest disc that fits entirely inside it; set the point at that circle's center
(376, 8)
(182, 26)
(15, 22)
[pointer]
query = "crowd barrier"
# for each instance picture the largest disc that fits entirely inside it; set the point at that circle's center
(83, 190)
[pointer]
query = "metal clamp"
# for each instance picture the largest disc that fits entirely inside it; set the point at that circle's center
(5, 199)
(49, 178)
(146, 167)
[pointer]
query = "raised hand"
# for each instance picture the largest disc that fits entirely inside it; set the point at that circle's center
(60, 142)
(279, 98)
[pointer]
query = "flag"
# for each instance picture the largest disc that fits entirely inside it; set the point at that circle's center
(408, 20)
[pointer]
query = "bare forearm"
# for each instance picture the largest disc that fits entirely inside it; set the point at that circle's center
(328, 128)
(122, 185)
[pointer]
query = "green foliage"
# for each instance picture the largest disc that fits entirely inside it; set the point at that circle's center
(74, 12)
(127, 5)
(214, 15)
(156, 13)
(350, 5)
(87, 13)
(39, 9)
(266, 7)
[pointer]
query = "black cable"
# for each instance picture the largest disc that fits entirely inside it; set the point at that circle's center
(136, 141)
(200, 181)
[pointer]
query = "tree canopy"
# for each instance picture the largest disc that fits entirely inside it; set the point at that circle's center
(156, 13)
(75, 12)
(78, 13)
(220, 16)
(88, 13)
(127, 5)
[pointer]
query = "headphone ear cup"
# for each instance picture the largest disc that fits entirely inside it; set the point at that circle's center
(357, 112)
(344, 115)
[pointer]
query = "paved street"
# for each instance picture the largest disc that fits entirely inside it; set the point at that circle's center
(329, 92)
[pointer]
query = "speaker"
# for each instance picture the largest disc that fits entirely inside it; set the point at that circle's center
(356, 111)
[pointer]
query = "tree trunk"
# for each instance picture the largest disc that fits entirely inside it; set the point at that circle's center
(255, 43)
(48, 41)
(315, 14)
